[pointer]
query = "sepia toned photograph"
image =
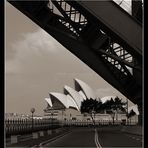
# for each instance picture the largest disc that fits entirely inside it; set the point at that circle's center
(74, 74)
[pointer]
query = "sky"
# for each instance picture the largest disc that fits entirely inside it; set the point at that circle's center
(36, 64)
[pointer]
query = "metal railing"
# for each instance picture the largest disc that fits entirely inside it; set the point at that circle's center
(24, 126)
(97, 123)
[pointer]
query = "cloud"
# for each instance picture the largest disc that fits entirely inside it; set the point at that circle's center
(37, 43)
(12, 67)
(102, 92)
(31, 47)
(37, 52)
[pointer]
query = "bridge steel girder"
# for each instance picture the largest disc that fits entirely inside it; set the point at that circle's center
(69, 34)
(111, 17)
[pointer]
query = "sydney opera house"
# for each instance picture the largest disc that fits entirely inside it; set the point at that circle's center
(66, 106)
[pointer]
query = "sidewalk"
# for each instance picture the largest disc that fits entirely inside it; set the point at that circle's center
(137, 130)
(34, 142)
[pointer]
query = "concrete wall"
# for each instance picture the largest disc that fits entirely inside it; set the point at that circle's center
(72, 114)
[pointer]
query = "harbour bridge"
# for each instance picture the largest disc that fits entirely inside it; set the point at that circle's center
(100, 33)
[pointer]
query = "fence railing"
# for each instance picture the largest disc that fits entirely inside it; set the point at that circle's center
(97, 123)
(24, 126)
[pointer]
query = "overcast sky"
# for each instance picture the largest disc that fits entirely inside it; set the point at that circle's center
(37, 64)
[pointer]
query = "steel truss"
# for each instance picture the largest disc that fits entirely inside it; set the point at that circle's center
(117, 63)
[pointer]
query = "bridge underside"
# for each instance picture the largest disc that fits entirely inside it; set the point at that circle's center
(112, 49)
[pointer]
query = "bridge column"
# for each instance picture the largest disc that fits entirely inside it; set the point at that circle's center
(140, 117)
(137, 9)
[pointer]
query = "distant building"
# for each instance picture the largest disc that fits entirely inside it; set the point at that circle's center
(16, 116)
(13, 116)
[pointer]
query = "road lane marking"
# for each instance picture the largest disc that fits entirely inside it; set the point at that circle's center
(96, 139)
(133, 137)
(34, 146)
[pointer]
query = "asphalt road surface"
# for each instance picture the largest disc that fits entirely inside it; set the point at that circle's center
(79, 137)
(113, 137)
(102, 137)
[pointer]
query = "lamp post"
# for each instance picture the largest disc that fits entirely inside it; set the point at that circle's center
(113, 115)
(93, 114)
(127, 110)
(62, 118)
(52, 119)
(32, 112)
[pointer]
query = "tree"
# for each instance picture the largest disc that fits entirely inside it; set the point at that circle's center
(109, 105)
(113, 107)
(91, 107)
(119, 106)
(131, 114)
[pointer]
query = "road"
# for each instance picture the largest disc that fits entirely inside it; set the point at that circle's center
(79, 137)
(113, 137)
(103, 137)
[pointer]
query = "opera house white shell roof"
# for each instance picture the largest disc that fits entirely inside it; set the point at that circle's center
(82, 94)
(49, 101)
(66, 100)
(104, 99)
(134, 108)
(87, 90)
(73, 98)
(75, 95)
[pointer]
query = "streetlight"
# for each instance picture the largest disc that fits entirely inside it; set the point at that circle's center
(62, 116)
(93, 112)
(32, 111)
(127, 110)
(52, 113)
